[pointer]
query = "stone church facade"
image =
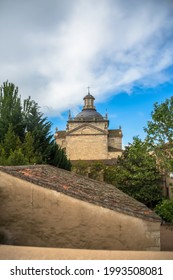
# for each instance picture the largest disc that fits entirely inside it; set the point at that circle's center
(87, 136)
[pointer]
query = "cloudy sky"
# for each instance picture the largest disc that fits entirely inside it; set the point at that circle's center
(123, 49)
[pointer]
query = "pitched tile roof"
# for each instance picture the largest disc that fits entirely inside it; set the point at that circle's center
(82, 188)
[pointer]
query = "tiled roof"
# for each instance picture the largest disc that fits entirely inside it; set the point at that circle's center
(82, 188)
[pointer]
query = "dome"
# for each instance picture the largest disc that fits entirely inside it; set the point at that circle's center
(88, 115)
(89, 96)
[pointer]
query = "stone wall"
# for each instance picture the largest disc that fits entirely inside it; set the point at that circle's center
(169, 185)
(34, 216)
(89, 141)
(115, 142)
(112, 155)
(61, 142)
(86, 147)
(73, 125)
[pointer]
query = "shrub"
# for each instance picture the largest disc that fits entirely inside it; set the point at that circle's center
(96, 171)
(81, 167)
(165, 210)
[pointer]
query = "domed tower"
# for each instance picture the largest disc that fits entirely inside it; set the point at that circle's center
(87, 136)
(89, 102)
(89, 112)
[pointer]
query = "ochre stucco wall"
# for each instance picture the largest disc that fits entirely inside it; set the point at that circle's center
(34, 216)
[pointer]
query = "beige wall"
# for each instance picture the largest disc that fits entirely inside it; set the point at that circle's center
(86, 147)
(86, 130)
(114, 154)
(35, 216)
(115, 142)
(89, 141)
(169, 184)
(61, 142)
(73, 125)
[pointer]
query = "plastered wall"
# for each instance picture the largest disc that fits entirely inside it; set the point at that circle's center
(34, 216)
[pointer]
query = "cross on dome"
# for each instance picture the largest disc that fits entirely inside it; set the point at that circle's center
(88, 90)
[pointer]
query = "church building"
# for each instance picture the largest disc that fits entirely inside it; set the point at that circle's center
(87, 136)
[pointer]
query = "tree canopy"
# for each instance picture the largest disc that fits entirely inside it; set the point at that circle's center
(160, 133)
(25, 134)
(136, 174)
(10, 110)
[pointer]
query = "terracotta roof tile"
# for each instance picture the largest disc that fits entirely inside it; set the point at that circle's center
(79, 187)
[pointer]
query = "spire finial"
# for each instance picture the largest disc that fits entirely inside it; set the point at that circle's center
(69, 115)
(106, 115)
(88, 90)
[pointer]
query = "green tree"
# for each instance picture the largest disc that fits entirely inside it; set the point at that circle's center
(10, 110)
(137, 174)
(25, 133)
(57, 157)
(81, 167)
(16, 157)
(3, 159)
(165, 210)
(11, 152)
(160, 133)
(11, 141)
(40, 128)
(39, 140)
(96, 171)
(28, 148)
(110, 174)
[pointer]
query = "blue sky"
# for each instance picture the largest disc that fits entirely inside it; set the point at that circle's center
(130, 111)
(53, 50)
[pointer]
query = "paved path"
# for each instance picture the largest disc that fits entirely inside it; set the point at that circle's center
(36, 253)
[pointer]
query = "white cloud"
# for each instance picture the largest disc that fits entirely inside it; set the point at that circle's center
(54, 49)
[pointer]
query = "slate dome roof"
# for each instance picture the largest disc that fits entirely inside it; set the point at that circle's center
(89, 115)
(89, 96)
